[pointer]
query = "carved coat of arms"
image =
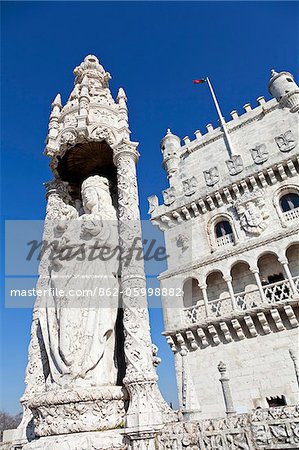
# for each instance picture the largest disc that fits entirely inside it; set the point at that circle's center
(285, 141)
(235, 165)
(190, 185)
(211, 176)
(169, 196)
(259, 154)
(251, 211)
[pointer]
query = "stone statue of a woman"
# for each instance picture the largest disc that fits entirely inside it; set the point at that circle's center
(78, 322)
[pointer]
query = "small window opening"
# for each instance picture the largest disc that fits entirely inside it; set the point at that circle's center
(290, 80)
(289, 201)
(223, 228)
(276, 401)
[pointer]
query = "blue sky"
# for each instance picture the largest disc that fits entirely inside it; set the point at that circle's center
(152, 49)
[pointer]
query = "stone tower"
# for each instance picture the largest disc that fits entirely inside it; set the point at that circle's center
(231, 230)
(90, 364)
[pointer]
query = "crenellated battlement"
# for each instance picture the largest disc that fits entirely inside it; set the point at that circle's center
(237, 120)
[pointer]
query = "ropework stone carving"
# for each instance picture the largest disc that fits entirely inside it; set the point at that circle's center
(146, 403)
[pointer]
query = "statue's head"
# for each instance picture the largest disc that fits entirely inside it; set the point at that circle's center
(95, 190)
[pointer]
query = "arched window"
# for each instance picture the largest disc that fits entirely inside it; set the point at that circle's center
(192, 293)
(286, 202)
(289, 202)
(221, 231)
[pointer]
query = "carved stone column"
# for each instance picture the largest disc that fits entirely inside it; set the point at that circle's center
(203, 288)
(256, 275)
(229, 406)
(287, 271)
(294, 359)
(228, 280)
(147, 406)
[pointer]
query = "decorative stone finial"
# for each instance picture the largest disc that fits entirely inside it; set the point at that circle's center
(273, 73)
(92, 68)
(222, 367)
(121, 95)
(84, 81)
(57, 101)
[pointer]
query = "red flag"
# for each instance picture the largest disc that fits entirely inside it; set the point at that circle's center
(202, 80)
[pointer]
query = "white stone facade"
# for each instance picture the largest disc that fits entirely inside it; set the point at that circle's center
(231, 287)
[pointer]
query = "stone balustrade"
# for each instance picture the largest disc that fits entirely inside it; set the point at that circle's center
(273, 293)
(225, 240)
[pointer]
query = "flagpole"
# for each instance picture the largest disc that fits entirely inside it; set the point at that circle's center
(221, 119)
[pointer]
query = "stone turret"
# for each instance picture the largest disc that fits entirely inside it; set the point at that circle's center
(170, 146)
(284, 88)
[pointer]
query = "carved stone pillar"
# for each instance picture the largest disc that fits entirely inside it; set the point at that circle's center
(294, 359)
(224, 380)
(256, 275)
(203, 288)
(228, 281)
(287, 271)
(147, 406)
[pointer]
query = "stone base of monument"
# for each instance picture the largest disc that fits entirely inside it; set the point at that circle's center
(65, 411)
(96, 440)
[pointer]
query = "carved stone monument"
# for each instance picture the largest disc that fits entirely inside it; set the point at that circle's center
(91, 366)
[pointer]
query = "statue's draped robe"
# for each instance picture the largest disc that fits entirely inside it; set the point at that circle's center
(78, 328)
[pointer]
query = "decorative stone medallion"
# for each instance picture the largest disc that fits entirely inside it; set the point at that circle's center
(190, 186)
(251, 210)
(101, 132)
(68, 137)
(211, 176)
(286, 141)
(259, 154)
(169, 196)
(235, 165)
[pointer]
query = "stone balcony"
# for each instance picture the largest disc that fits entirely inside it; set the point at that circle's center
(250, 314)
(274, 294)
(225, 240)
